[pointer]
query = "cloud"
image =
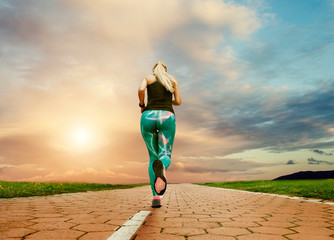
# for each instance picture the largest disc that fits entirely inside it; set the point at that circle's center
(322, 152)
(290, 162)
(27, 155)
(20, 149)
(207, 164)
(260, 118)
(223, 14)
(314, 161)
(285, 57)
(284, 122)
(91, 37)
(87, 174)
(68, 63)
(79, 59)
(75, 62)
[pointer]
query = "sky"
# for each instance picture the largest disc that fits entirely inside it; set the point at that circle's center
(256, 80)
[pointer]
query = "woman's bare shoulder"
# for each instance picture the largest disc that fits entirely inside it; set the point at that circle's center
(150, 78)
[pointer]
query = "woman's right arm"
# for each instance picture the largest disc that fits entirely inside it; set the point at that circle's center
(177, 95)
(141, 92)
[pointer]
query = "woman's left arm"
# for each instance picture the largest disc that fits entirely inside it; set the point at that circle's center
(177, 94)
(141, 92)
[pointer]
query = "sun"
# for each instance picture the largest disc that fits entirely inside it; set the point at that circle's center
(78, 137)
(81, 137)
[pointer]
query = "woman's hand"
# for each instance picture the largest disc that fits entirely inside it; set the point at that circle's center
(142, 109)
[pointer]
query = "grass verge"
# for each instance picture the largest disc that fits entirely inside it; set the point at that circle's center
(320, 188)
(26, 189)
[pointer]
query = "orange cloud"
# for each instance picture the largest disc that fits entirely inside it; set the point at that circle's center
(77, 64)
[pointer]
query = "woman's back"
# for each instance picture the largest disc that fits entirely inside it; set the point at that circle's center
(159, 98)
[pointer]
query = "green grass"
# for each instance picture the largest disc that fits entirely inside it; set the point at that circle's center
(26, 189)
(320, 189)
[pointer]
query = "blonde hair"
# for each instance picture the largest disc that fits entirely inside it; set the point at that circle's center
(160, 70)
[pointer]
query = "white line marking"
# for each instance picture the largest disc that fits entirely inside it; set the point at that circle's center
(126, 231)
(278, 195)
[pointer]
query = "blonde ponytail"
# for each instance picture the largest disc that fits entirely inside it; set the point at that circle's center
(160, 70)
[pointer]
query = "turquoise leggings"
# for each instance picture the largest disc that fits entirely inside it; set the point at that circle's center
(158, 130)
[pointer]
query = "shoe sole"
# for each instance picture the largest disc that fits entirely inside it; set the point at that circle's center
(160, 183)
(156, 203)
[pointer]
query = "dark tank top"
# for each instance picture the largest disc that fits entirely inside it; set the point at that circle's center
(159, 98)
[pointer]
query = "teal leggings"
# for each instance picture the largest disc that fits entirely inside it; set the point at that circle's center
(158, 130)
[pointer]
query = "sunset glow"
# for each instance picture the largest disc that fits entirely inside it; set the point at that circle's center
(81, 138)
(255, 76)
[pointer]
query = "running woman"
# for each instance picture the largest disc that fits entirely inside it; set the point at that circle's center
(157, 124)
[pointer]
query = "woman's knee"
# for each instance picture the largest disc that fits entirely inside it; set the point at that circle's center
(165, 160)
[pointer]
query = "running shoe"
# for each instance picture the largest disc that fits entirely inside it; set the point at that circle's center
(156, 202)
(160, 183)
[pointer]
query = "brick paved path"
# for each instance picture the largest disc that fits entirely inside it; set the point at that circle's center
(189, 212)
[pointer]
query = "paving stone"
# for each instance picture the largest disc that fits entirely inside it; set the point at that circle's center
(11, 238)
(215, 219)
(103, 219)
(116, 222)
(282, 224)
(149, 230)
(210, 237)
(10, 224)
(15, 232)
(283, 218)
(52, 226)
(182, 220)
(159, 237)
(320, 231)
(56, 234)
(185, 231)
(166, 214)
(303, 236)
(321, 224)
(96, 235)
(94, 227)
(164, 224)
(216, 213)
(195, 216)
(230, 231)
(47, 215)
(271, 230)
(57, 219)
(313, 218)
(256, 236)
(202, 225)
(240, 224)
